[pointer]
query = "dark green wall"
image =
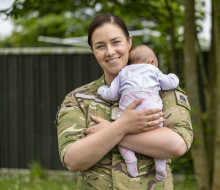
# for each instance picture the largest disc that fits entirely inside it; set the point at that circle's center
(32, 86)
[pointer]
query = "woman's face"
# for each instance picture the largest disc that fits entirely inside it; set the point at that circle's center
(111, 49)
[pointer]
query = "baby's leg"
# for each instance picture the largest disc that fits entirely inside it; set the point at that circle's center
(161, 170)
(130, 160)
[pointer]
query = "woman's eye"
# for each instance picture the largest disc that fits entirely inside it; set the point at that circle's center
(100, 46)
(116, 42)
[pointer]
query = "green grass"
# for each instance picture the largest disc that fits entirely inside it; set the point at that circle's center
(57, 180)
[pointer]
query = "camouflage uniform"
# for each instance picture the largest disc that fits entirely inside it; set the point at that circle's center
(110, 172)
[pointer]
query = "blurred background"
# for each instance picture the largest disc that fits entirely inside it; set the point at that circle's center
(44, 55)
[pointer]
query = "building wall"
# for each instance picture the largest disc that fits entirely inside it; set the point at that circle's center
(33, 83)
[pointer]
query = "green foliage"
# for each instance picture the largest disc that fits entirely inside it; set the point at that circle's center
(183, 165)
(60, 181)
(28, 30)
(21, 181)
(37, 172)
(187, 184)
(74, 13)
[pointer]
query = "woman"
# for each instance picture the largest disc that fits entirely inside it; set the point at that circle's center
(88, 133)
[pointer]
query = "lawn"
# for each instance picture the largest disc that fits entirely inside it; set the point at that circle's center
(55, 180)
(59, 180)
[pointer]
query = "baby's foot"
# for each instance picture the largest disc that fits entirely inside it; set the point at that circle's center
(160, 166)
(160, 175)
(132, 168)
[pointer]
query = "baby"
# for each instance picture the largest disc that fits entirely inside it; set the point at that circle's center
(140, 79)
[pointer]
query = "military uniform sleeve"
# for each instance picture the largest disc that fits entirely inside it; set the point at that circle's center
(71, 124)
(177, 113)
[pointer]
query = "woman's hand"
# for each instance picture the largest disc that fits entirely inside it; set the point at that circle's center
(101, 124)
(133, 121)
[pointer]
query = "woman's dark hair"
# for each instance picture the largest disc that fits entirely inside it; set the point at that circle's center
(104, 19)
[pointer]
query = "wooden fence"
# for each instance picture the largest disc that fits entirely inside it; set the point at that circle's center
(33, 83)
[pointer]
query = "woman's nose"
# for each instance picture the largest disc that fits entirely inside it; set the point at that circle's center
(110, 51)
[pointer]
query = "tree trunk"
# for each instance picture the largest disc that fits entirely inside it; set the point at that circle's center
(173, 61)
(216, 172)
(191, 79)
(211, 98)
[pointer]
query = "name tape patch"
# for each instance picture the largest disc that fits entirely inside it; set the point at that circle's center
(182, 100)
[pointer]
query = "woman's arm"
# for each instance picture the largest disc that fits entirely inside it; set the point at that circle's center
(85, 152)
(158, 143)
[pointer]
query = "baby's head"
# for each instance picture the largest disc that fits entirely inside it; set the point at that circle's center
(142, 54)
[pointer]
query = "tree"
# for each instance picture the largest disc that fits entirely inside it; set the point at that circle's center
(216, 29)
(27, 31)
(191, 80)
(207, 169)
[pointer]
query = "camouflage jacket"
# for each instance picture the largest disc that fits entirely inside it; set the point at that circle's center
(110, 172)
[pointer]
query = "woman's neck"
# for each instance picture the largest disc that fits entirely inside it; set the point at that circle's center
(109, 79)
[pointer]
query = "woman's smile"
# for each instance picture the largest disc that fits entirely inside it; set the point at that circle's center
(113, 61)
